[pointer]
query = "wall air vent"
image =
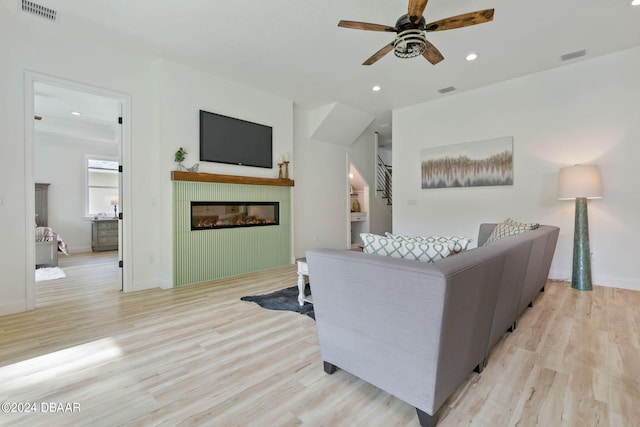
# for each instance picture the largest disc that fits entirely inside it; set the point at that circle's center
(572, 55)
(447, 89)
(39, 10)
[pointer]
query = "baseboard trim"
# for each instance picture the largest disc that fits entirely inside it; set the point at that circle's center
(144, 285)
(12, 307)
(608, 282)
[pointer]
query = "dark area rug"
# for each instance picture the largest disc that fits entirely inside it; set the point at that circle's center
(284, 299)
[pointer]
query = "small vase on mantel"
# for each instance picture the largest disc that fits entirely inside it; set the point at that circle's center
(179, 157)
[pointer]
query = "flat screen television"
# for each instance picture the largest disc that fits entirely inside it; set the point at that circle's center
(233, 141)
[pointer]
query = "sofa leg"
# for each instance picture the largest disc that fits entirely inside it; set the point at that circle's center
(531, 304)
(513, 326)
(425, 419)
(329, 368)
(481, 366)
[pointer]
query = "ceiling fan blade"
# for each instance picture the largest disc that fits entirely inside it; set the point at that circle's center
(459, 21)
(366, 26)
(379, 54)
(432, 54)
(416, 9)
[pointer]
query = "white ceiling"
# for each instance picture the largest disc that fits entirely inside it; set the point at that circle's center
(294, 48)
(97, 120)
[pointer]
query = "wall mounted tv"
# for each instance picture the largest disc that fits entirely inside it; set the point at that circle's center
(233, 141)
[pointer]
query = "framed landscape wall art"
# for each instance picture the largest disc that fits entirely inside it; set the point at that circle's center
(471, 164)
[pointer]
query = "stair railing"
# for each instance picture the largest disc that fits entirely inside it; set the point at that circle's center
(384, 180)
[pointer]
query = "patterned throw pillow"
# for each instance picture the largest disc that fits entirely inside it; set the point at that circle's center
(419, 251)
(379, 245)
(459, 243)
(426, 251)
(509, 227)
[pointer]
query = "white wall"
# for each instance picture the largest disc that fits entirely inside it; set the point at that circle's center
(163, 96)
(320, 194)
(183, 92)
(61, 162)
(581, 113)
(385, 154)
(29, 44)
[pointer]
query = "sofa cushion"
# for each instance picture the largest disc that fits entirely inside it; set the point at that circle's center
(509, 227)
(459, 243)
(414, 250)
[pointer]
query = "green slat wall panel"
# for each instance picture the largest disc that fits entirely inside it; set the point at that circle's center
(204, 255)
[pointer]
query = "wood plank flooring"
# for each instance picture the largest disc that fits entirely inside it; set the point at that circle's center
(198, 356)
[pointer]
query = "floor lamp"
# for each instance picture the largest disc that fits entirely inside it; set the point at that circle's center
(580, 182)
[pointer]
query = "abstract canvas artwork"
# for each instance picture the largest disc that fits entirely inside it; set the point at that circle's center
(471, 164)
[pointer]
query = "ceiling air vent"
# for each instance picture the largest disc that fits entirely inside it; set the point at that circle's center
(447, 89)
(572, 55)
(39, 10)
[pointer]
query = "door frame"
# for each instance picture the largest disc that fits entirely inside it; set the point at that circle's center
(366, 197)
(30, 79)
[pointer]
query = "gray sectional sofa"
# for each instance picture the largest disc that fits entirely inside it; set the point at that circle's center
(417, 330)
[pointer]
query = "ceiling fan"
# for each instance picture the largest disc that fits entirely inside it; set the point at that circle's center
(410, 40)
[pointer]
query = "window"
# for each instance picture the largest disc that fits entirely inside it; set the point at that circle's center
(102, 186)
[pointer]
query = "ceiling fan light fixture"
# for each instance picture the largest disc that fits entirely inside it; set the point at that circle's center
(409, 44)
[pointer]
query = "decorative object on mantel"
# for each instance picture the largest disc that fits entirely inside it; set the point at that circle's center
(286, 165)
(580, 182)
(283, 160)
(179, 157)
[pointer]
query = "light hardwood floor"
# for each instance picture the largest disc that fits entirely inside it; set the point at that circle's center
(200, 356)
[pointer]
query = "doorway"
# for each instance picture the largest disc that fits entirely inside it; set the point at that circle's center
(358, 208)
(73, 124)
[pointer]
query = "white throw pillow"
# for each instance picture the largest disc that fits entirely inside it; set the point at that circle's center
(415, 250)
(379, 245)
(459, 243)
(426, 251)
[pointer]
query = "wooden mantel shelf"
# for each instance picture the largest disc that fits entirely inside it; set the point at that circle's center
(229, 179)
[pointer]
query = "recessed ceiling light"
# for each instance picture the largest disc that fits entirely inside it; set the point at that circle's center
(472, 56)
(635, 3)
(376, 88)
(75, 113)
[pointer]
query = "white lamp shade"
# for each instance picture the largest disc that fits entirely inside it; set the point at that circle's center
(114, 199)
(579, 181)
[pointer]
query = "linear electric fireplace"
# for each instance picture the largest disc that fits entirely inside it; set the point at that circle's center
(213, 215)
